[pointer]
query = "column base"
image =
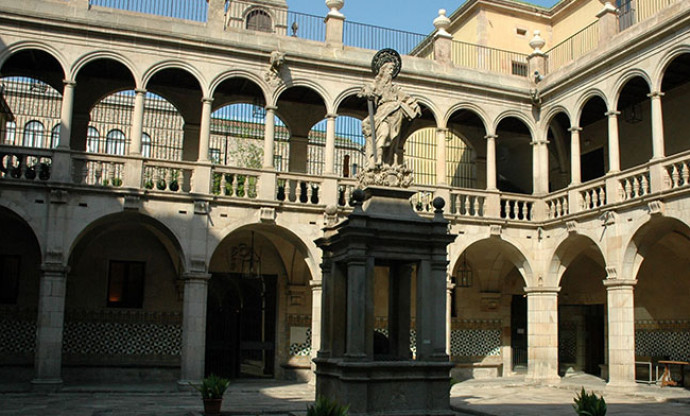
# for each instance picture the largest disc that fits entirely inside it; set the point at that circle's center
(187, 385)
(621, 385)
(46, 385)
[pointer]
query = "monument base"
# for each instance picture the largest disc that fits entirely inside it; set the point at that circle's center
(386, 388)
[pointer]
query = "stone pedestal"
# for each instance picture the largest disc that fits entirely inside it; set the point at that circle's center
(385, 232)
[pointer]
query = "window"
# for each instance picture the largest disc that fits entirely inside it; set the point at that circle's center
(92, 138)
(259, 20)
(10, 132)
(115, 143)
(55, 136)
(145, 145)
(126, 284)
(33, 134)
(520, 31)
(214, 155)
(9, 279)
(519, 68)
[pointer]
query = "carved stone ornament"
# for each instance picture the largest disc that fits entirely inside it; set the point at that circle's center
(571, 226)
(656, 207)
(611, 273)
(399, 176)
(201, 207)
(267, 215)
(495, 230)
(272, 73)
(132, 202)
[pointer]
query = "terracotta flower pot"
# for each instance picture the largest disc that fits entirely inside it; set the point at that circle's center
(212, 406)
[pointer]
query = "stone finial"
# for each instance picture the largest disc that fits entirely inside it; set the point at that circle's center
(438, 203)
(537, 43)
(442, 23)
(335, 6)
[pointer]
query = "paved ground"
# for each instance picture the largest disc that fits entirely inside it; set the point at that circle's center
(498, 397)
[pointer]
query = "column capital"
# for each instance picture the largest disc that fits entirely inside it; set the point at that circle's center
(538, 142)
(69, 83)
(270, 108)
(612, 284)
(331, 116)
(196, 276)
(140, 90)
(612, 113)
(574, 129)
(656, 94)
(54, 268)
(206, 100)
(316, 285)
(491, 136)
(542, 290)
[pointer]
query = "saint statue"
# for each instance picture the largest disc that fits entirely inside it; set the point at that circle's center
(392, 105)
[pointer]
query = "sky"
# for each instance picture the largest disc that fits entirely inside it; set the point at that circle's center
(410, 15)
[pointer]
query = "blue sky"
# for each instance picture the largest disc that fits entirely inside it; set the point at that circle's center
(409, 15)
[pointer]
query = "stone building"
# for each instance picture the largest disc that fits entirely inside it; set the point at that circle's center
(165, 174)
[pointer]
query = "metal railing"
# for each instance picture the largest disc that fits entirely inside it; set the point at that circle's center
(194, 10)
(365, 36)
(473, 56)
(631, 12)
(306, 26)
(574, 47)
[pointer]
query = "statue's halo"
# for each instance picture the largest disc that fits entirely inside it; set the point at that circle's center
(386, 55)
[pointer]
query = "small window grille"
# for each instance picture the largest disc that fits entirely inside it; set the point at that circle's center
(519, 68)
(259, 20)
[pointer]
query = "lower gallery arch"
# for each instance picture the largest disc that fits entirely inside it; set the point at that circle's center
(662, 327)
(123, 307)
(488, 311)
(259, 306)
(581, 308)
(20, 260)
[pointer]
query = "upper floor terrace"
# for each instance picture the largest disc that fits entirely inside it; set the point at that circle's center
(127, 119)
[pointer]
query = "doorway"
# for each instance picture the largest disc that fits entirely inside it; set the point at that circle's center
(241, 326)
(518, 332)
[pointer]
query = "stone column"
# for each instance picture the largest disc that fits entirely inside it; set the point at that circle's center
(316, 310)
(49, 327)
(658, 150)
(614, 150)
(66, 114)
(450, 287)
(194, 327)
(542, 333)
(575, 169)
(621, 328)
(137, 122)
(540, 167)
(441, 156)
(359, 343)
(431, 322)
(491, 162)
(329, 157)
(334, 23)
(269, 137)
(443, 41)
(205, 129)
(399, 292)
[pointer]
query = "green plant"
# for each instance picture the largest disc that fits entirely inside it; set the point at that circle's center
(326, 407)
(212, 387)
(589, 404)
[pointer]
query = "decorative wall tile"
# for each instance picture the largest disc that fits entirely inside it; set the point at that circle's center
(301, 349)
(475, 342)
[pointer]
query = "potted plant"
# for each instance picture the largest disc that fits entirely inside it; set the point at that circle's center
(588, 404)
(212, 389)
(326, 407)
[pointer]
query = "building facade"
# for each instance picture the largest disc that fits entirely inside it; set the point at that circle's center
(164, 178)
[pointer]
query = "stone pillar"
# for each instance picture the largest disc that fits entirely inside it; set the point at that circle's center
(540, 167)
(316, 311)
(269, 137)
(334, 23)
(431, 322)
(450, 287)
(443, 41)
(491, 162)
(360, 305)
(194, 327)
(137, 122)
(329, 157)
(205, 129)
(614, 150)
(542, 333)
(66, 114)
(621, 329)
(608, 23)
(575, 169)
(658, 150)
(441, 156)
(216, 16)
(49, 327)
(399, 292)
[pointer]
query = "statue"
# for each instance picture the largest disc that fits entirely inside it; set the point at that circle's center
(384, 143)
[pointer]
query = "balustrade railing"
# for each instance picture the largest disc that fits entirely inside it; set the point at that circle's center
(194, 10)
(98, 170)
(167, 176)
(678, 173)
(236, 183)
(306, 26)
(634, 185)
(422, 201)
(574, 47)
(518, 208)
(593, 195)
(345, 189)
(25, 163)
(467, 203)
(473, 56)
(298, 189)
(557, 205)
